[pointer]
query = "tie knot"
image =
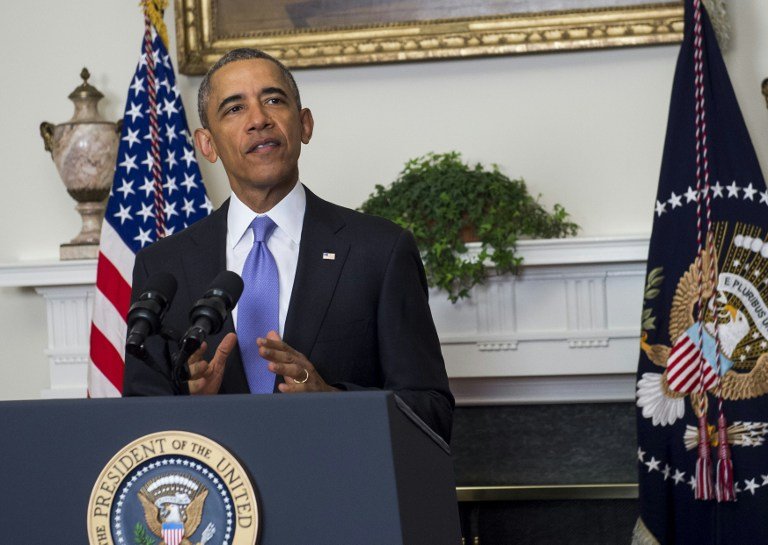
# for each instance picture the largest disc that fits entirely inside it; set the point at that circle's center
(262, 228)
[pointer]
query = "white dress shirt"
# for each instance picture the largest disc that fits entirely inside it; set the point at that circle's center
(288, 215)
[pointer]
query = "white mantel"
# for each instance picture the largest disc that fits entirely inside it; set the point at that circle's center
(565, 329)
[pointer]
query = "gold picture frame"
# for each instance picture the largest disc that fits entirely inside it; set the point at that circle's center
(201, 41)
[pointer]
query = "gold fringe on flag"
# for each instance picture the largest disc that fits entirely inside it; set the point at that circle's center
(642, 535)
(154, 10)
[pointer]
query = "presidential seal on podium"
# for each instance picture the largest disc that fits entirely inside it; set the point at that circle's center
(173, 488)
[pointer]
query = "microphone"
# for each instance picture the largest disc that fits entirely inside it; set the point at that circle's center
(207, 316)
(146, 315)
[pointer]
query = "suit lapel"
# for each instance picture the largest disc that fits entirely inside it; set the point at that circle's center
(208, 258)
(316, 276)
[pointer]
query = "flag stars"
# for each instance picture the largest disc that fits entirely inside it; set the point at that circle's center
(129, 162)
(189, 156)
(640, 454)
(124, 214)
(765, 479)
(170, 133)
(189, 182)
(733, 190)
(660, 208)
(137, 86)
(170, 159)
(675, 200)
(144, 237)
(170, 185)
(690, 195)
(149, 161)
(749, 192)
(147, 211)
(132, 138)
(134, 112)
(679, 476)
(126, 188)
(170, 210)
(751, 486)
(148, 187)
(207, 206)
(165, 85)
(189, 207)
(667, 470)
(170, 107)
(764, 197)
(692, 482)
(717, 190)
(653, 464)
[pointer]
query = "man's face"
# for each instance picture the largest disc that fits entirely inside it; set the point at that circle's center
(255, 126)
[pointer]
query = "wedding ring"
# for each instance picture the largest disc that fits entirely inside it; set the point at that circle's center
(305, 379)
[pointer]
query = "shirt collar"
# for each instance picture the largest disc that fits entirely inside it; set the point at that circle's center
(288, 215)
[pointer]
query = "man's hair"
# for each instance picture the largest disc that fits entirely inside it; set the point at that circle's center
(242, 54)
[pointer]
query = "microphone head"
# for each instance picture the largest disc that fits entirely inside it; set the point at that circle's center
(162, 283)
(228, 286)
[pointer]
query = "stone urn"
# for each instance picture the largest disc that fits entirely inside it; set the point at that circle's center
(84, 150)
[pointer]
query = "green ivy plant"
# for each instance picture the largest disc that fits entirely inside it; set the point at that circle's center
(439, 198)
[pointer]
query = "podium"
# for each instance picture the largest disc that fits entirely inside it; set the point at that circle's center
(340, 468)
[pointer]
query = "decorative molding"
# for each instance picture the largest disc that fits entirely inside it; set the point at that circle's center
(201, 42)
(48, 273)
(497, 346)
(565, 329)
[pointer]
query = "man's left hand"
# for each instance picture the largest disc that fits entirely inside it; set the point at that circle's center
(299, 373)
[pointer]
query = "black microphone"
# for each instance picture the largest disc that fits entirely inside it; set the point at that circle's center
(146, 315)
(207, 316)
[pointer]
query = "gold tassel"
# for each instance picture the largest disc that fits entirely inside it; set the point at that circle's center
(641, 535)
(154, 10)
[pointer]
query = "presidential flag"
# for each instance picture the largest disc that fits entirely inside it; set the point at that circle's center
(157, 191)
(702, 412)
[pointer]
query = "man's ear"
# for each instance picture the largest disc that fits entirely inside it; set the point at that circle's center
(307, 125)
(204, 142)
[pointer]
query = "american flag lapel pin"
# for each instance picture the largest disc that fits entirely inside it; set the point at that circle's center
(329, 256)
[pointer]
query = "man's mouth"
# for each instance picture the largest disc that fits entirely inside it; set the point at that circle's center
(263, 146)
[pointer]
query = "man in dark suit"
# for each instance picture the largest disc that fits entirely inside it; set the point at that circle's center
(352, 309)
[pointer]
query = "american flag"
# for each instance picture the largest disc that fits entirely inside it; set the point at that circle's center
(142, 186)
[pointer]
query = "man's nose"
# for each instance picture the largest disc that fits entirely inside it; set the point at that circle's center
(259, 118)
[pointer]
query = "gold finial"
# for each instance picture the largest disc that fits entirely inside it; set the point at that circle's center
(85, 90)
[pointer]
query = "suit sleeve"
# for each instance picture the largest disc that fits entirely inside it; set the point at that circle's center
(153, 376)
(411, 362)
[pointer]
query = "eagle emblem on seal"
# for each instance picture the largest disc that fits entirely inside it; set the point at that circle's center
(725, 354)
(173, 508)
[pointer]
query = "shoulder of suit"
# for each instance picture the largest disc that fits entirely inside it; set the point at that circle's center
(178, 240)
(358, 221)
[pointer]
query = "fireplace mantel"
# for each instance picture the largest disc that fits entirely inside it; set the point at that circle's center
(565, 329)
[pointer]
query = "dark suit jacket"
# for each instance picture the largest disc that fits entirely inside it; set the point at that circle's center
(362, 319)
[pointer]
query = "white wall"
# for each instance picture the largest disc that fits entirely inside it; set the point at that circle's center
(584, 129)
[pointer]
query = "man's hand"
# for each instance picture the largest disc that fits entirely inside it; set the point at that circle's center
(205, 377)
(299, 373)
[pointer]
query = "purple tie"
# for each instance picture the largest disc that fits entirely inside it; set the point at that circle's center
(257, 311)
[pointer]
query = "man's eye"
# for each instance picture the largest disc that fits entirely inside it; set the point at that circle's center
(234, 109)
(274, 100)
